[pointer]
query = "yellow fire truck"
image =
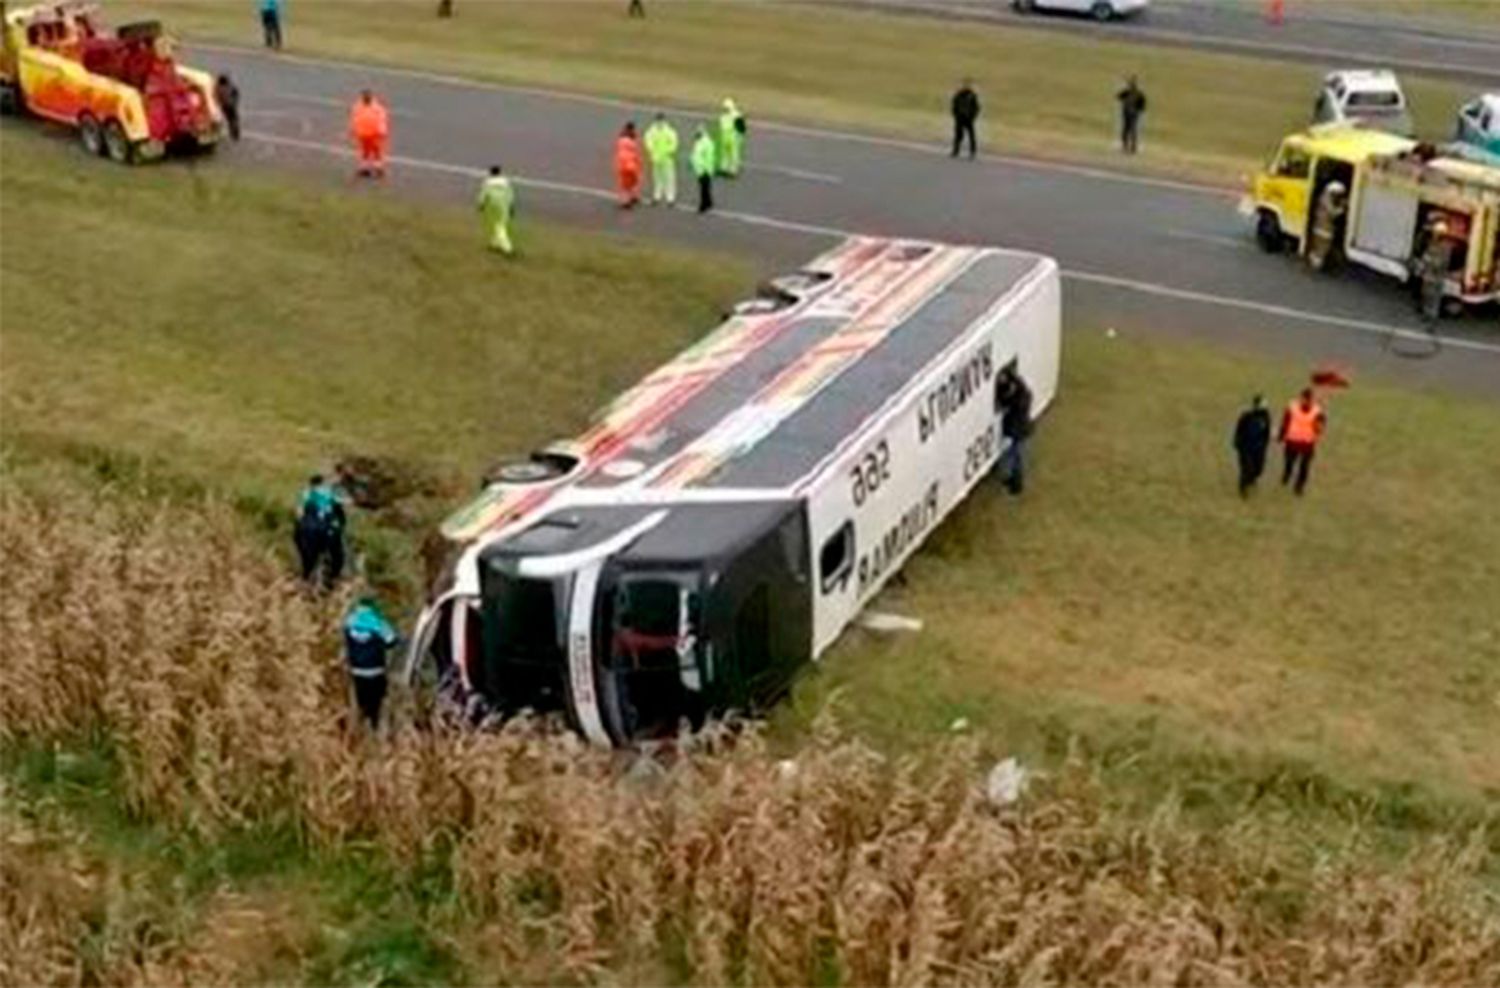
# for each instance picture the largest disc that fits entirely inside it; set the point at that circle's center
(1396, 190)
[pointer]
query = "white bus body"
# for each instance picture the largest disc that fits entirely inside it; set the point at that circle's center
(724, 521)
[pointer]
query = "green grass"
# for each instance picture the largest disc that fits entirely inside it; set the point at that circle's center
(1129, 598)
(1211, 115)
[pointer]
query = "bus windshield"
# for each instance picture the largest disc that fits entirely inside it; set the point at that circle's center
(653, 651)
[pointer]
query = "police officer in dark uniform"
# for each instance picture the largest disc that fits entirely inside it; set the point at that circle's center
(965, 107)
(1132, 106)
(1013, 402)
(1252, 437)
(368, 636)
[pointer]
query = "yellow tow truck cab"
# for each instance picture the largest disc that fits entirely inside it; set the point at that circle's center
(1395, 188)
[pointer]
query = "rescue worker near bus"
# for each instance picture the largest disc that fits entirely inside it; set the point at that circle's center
(319, 531)
(731, 147)
(1132, 106)
(1252, 436)
(705, 157)
(1302, 426)
(227, 95)
(965, 108)
(368, 636)
(628, 166)
(497, 202)
(1432, 269)
(1013, 402)
(270, 23)
(1327, 225)
(661, 148)
(370, 126)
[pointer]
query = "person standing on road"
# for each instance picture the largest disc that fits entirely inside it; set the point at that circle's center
(227, 95)
(370, 126)
(1013, 401)
(1252, 437)
(1132, 106)
(1302, 426)
(1431, 270)
(270, 23)
(965, 107)
(661, 148)
(628, 166)
(497, 201)
(705, 165)
(732, 131)
(368, 636)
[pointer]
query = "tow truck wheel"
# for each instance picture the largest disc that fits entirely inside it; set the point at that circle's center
(10, 99)
(90, 134)
(1268, 233)
(117, 144)
(1102, 11)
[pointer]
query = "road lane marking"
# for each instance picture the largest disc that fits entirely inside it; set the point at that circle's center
(795, 173)
(794, 226)
(932, 149)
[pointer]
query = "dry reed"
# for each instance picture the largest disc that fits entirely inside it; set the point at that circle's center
(169, 632)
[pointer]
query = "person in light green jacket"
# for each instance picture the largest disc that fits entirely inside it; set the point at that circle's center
(497, 200)
(661, 148)
(705, 163)
(731, 140)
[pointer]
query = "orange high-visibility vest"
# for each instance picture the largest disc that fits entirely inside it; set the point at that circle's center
(368, 120)
(1302, 423)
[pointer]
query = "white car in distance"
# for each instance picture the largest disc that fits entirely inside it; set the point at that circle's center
(1099, 10)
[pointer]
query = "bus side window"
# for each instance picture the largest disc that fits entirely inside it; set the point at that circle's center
(836, 558)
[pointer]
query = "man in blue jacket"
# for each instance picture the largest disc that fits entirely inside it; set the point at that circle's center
(319, 535)
(368, 636)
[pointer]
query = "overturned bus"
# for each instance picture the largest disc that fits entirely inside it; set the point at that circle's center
(723, 521)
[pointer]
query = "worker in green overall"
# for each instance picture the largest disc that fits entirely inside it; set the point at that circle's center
(661, 148)
(497, 200)
(705, 163)
(731, 140)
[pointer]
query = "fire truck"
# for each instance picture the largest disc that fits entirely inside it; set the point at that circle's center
(124, 93)
(1396, 189)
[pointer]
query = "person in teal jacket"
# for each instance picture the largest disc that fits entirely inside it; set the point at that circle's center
(497, 202)
(270, 23)
(705, 163)
(319, 532)
(731, 148)
(368, 636)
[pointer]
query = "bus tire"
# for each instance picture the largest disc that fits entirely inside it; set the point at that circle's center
(523, 471)
(90, 134)
(116, 144)
(1268, 233)
(1102, 11)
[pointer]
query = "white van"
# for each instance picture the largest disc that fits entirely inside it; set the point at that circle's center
(1099, 10)
(722, 522)
(1369, 97)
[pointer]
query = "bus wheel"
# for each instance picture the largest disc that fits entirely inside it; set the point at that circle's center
(1102, 11)
(90, 134)
(117, 144)
(1268, 233)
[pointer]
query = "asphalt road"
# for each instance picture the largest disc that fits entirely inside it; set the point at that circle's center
(1335, 35)
(1140, 255)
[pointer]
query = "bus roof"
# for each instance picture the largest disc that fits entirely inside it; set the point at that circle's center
(1352, 143)
(754, 408)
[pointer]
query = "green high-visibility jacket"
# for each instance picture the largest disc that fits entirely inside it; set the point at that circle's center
(661, 141)
(705, 155)
(496, 198)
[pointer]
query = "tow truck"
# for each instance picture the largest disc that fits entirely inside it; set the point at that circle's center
(1396, 187)
(124, 93)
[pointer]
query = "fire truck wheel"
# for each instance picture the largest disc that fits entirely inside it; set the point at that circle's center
(90, 134)
(1268, 233)
(117, 144)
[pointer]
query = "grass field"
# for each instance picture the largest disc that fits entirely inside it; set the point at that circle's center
(1212, 116)
(1306, 678)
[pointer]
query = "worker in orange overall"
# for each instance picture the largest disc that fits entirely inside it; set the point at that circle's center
(370, 126)
(628, 167)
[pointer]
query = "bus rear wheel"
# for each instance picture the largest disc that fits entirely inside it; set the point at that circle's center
(116, 144)
(90, 134)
